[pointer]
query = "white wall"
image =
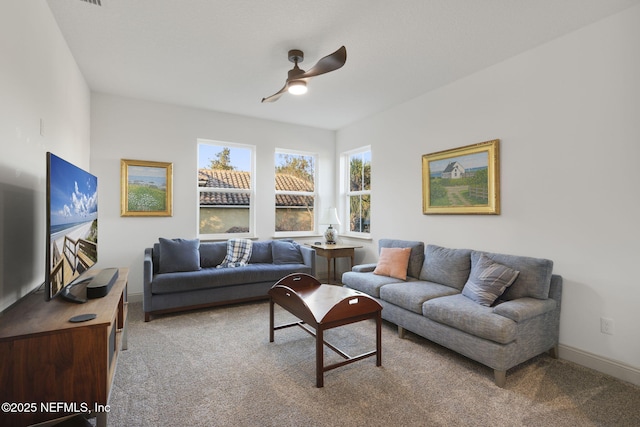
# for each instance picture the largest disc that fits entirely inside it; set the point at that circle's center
(124, 128)
(567, 115)
(39, 80)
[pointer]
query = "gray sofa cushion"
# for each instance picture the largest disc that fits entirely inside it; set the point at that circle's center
(449, 267)
(412, 295)
(415, 259)
(179, 255)
(368, 283)
(285, 252)
(534, 279)
(461, 313)
(488, 280)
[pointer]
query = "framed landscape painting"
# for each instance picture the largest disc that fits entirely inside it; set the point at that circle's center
(145, 188)
(463, 180)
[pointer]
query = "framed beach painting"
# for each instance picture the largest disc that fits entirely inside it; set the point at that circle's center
(464, 180)
(146, 188)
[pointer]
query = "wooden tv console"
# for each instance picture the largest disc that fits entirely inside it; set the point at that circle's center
(50, 367)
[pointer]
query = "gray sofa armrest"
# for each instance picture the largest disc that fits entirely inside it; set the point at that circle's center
(521, 309)
(364, 268)
(309, 258)
(526, 308)
(555, 290)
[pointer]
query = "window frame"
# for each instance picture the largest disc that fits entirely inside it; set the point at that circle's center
(347, 193)
(313, 194)
(251, 191)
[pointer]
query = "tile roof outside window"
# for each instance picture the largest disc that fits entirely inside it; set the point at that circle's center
(241, 180)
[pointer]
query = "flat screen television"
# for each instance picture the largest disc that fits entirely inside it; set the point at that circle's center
(72, 227)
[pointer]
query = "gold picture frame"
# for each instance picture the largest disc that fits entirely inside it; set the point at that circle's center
(146, 188)
(464, 180)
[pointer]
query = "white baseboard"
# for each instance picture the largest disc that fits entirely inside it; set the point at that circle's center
(616, 369)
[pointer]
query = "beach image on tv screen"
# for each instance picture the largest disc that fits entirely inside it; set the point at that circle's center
(73, 222)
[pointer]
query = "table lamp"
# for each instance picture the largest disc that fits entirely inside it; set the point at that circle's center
(330, 217)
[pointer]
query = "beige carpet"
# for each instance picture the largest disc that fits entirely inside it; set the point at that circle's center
(216, 367)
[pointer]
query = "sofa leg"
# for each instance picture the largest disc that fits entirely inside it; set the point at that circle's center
(553, 352)
(147, 316)
(400, 332)
(500, 377)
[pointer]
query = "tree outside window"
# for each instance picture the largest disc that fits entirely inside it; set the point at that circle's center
(359, 191)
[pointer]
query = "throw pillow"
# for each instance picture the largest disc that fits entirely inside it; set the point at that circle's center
(446, 266)
(393, 262)
(286, 252)
(238, 253)
(261, 252)
(179, 255)
(488, 280)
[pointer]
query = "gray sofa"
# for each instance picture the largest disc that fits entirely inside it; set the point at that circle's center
(435, 302)
(182, 275)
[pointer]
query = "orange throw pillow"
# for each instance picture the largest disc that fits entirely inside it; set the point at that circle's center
(393, 262)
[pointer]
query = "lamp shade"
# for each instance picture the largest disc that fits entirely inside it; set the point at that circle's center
(330, 217)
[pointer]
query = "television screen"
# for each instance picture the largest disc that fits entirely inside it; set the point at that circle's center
(72, 226)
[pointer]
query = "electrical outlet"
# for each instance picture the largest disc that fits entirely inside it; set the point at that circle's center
(606, 325)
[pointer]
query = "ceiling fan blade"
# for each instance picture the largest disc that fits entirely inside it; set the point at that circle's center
(329, 63)
(276, 95)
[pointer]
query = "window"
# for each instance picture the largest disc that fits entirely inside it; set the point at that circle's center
(225, 189)
(358, 190)
(295, 174)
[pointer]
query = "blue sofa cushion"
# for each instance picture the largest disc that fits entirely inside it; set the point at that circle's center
(285, 252)
(446, 266)
(412, 295)
(207, 278)
(415, 259)
(463, 314)
(261, 252)
(488, 280)
(534, 279)
(212, 253)
(179, 255)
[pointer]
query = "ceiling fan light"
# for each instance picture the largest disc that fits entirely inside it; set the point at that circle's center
(297, 87)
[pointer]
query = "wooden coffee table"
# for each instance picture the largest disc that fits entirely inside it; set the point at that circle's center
(324, 307)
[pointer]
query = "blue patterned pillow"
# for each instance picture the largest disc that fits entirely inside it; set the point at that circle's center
(488, 280)
(238, 253)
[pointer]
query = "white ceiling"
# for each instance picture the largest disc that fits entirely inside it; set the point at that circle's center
(226, 55)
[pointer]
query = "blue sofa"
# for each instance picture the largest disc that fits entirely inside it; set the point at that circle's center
(187, 278)
(436, 302)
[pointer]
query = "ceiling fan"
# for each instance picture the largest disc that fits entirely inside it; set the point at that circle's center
(297, 80)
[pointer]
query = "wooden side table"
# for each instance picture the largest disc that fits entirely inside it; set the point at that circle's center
(331, 252)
